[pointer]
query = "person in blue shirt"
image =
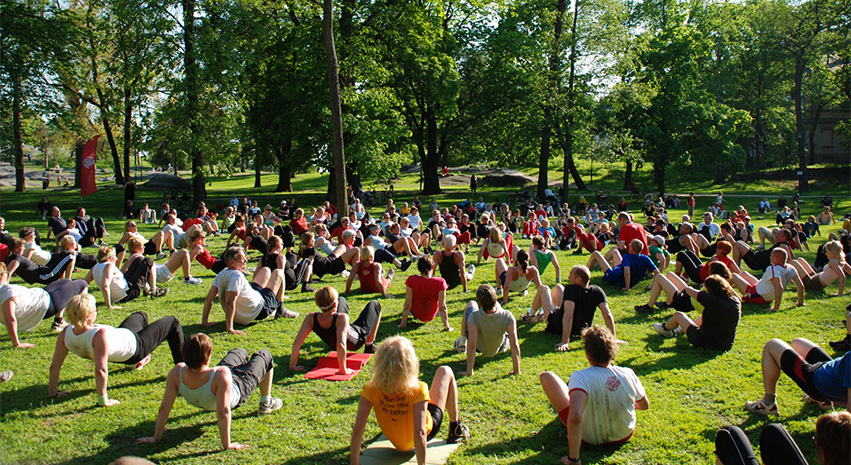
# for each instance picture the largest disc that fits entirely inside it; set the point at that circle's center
(626, 271)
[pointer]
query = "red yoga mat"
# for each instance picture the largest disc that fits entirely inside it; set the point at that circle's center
(327, 367)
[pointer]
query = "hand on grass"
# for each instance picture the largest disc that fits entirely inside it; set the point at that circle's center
(207, 323)
(146, 440)
(236, 332)
(25, 345)
(464, 373)
(562, 347)
(299, 368)
(238, 446)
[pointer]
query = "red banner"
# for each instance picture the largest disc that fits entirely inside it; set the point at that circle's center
(87, 181)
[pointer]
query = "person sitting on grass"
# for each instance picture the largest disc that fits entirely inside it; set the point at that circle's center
(370, 274)
(60, 266)
(333, 264)
(140, 266)
(425, 295)
(674, 288)
(540, 257)
(598, 404)
(516, 278)
(383, 250)
(221, 388)
(659, 255)
(835, 269)
(196, 244)
(761, 259)
(332, 325)
(770, 287)
(23, 308)
(823, 379)
(164, 273)
(488, 328)
(696, 271)
(276, 259)
(832, 439)
(244, 302)
(152, 247)
(407, 411)
(716, 327)
(131, 343)
(451, 262)
(569, 309)
(624, 272)
(497, 245)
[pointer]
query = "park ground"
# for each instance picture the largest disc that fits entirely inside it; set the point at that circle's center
(692, 392)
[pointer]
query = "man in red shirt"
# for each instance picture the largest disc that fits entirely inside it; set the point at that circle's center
(630, 231)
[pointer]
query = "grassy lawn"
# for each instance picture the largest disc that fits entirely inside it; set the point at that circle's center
(692, 392)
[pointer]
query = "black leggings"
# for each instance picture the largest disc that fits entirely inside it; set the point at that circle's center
(691, 265)
(247, 373)
(137, 277)
(61, 292)
(775, 445)
(95, 230)
(150, 336)
(363, 326)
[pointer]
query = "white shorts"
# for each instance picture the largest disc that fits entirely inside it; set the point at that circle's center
(163, 274)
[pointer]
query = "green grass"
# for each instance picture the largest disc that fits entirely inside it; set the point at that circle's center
(692, 392)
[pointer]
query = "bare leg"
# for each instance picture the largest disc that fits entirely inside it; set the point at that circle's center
(351, 255)
(743, 280)
(499, 268)
(444, 392)
(178, 260)
(556, 390)
(597, 257)
(266, 384)
(681, 320)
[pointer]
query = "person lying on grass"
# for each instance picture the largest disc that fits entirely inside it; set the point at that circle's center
(716, 327)
(823, 379)
(23, 308)
(221, 388)
(627, 271)
(370, 274)
(244, 302)
(425, 295)
(569, 309)
(131, 343)
(407, 411)
(770, 287)
(598, 404)
(489, 329)
(834, 270)
(333, 327)
(832, 439)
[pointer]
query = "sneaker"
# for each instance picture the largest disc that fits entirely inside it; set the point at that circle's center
(405, 265)
(524, 292)
(345, 274)
(662, 305)
(842, 345)
(161, 255)
(143, 362)
(284, 313)
(759, 407)
(660, 328)
(58, 326)
(644, 308)
(826, 405)
(158, 292)
(459, 434)
(370, 348)
(461, 345)
(271, 406)
(391, 274)
(192, 281)
(471, 269)
(6, 376)
(306, 287)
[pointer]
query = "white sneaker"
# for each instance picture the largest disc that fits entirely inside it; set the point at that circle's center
(193, 281)
(471, 270)
(660, 328)
(461, 345)
(345, 273)
(391, 274)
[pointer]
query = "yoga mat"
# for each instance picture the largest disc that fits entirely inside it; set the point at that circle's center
(327, 367)
(382, 452)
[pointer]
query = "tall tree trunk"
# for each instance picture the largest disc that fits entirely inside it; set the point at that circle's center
(128, 121)
(800, 66)
(113, 149)
(811, 137)
(431, 162)
(190, 71)
(258, 179)
(759, 137)
(544, 157)
(78, 162)
(284, 170)
(332, 185)
(627, 177)
(341, 202)
(17, 135)
(659, 174)
(566, 133)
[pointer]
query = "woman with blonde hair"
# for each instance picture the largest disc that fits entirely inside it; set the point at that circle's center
(370, 274)
(131, 343)
(332, 325)
(836, 268)
(408, 412)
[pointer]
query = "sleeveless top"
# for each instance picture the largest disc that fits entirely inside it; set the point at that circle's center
(324, 245)
(203, 397)
(206, 259)
(329, 334)
(118, 286)
(367, 278)
(519, 284)
(544, 260)
(495, 250)
(449, 270)
(271, 261)
(121, 342)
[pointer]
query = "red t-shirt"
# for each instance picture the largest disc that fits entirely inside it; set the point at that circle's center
(424, 306)
(704, 269)
(634, 231)
(191, 221)
(205, 259)
(299, 225)
(367, 278)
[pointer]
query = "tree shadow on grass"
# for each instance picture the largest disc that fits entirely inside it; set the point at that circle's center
(681, 356)
(551, 441)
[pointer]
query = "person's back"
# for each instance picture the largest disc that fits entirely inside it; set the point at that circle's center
(491, 329)
(610, 408)
(586, 299)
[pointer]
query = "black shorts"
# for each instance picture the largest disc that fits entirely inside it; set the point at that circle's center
(695, 337)
(682, 302)
(710, 250)
(270, 301)
(801, 369)
(757, 261)
(363, 326)
(61, 292)
(812, 283)
(327, 265)
(150, 248)
(247, 373)
(436, 420)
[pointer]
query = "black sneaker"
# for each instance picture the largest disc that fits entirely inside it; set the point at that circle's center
(662, 305)
(459, 434)
(370, 348)
(306, 287)
(644, 308)
(406, 264)
(842, 345)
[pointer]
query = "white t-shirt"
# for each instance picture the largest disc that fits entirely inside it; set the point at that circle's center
(765, 288)
(176, 230)
(415, 221)
(714, 229)
(40, 256)
(31, 303)
(248, 302)
(610, 407)
(117, 287)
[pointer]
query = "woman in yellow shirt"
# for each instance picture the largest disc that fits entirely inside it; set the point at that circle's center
(408, 412)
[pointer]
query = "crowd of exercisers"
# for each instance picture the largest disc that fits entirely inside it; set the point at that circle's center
(707, 263)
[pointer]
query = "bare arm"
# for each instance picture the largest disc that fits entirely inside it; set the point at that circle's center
(208, 305)
(472, 342)
(420, 431)
(627, 277)
(574, 422)
(406, 309)
(364, 408)
(230, 312)
(608, 318)
(840, 274)
(171, 387)
(101, 348)
(441, 308)
(59, 355)
(223, 412)
(108, 273)
(12, 323)
(342, 334)
(799, 286)
(566, 324)
(303, 332)
(556, 266)
(515, 347)
(462, 269)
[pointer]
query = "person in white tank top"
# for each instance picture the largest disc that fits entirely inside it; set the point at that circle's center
(130, 344)
(220, 388)
(108, 278)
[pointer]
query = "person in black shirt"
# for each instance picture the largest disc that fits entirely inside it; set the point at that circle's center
(570, 309)
(716, 327)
